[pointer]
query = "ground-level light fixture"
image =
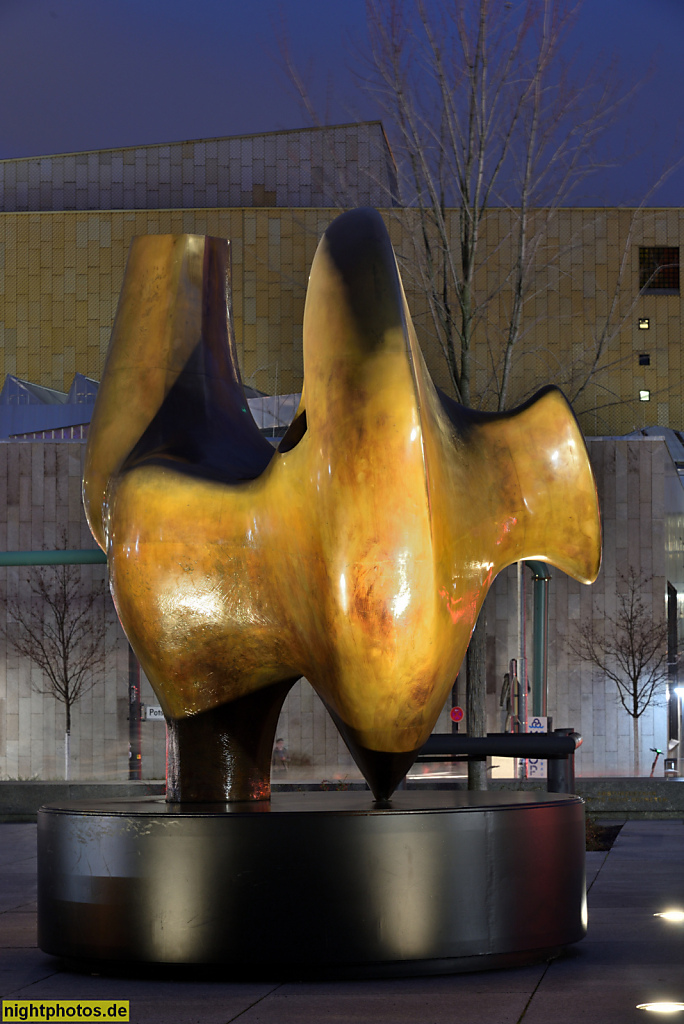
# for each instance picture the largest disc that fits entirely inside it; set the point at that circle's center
(644, 396)
(671, 915)
(664, 1007)
(644, 323)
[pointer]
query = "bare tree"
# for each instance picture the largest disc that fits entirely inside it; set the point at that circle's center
(493, 131)
(56, 627)
(631, 650)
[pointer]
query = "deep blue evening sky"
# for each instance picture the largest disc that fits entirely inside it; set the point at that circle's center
(88, 74)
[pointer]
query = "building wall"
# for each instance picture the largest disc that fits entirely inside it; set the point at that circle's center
(642, 504)
(42, 481)
(61, 272)
(287, 168)
(62, 257)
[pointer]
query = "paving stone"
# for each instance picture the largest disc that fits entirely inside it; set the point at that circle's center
(628, 957)
(20, 968)
(17, 929)
(154, 1001)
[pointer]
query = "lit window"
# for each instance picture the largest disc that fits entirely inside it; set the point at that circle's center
(644, 396)
(659, 268)
(644, 323)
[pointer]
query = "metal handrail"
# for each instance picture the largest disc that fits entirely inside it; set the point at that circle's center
(502, 744)
(557, 748)
(89, 556)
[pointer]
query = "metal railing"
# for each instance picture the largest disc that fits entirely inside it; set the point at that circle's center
(558, 748)
(90, 556)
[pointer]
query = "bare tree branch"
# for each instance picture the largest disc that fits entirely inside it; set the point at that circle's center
(630, 650)
(56, 627)
(493, 130)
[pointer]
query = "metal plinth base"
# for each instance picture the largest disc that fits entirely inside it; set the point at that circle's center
(436, 882)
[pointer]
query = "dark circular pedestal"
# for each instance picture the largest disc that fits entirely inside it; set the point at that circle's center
(438, 881)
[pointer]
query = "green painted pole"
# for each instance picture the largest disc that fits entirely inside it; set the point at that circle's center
(541, 576)
(93, 556)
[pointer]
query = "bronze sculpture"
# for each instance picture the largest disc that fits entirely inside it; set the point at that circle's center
(358, 554)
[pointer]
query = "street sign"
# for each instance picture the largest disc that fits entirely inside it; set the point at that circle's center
(457, 714)
(153, 713)
(537, 767)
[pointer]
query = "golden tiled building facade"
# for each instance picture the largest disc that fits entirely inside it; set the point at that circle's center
(60, 275)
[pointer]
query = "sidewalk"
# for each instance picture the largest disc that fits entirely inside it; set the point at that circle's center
(628, 957)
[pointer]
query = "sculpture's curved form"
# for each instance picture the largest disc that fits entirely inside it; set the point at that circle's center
(357, 555)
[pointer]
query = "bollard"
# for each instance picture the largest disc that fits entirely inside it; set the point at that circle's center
(561, 770)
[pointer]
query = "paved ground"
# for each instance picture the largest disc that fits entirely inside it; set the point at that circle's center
(628, 957)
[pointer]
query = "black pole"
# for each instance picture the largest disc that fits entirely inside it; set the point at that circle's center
(134, 745)
(561, 771)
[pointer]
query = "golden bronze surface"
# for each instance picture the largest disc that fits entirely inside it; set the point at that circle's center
(357, 555)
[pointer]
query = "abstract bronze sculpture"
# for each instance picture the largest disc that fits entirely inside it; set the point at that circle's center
(357, 555)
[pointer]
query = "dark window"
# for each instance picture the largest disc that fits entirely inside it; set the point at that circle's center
(644, 359)
(659, 268)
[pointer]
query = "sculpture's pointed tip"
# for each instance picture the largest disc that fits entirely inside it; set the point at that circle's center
(383, 771)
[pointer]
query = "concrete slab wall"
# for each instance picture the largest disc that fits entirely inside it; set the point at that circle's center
(642, 503)
(642, 507)
(287, 168)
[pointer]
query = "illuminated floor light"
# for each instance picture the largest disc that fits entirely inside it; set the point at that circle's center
(661, 1007)
(671, 915)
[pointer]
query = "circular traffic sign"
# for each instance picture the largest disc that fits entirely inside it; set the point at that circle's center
(456, 714)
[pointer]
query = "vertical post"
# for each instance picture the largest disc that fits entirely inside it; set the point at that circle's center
(679, 693)
(561, 770)
(454, 703)
(522, 666)
(476, 698)
(541, 576)
(514, 693)
(134, 744)
(522, 659)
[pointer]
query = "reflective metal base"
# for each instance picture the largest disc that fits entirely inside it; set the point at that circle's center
(435, 882)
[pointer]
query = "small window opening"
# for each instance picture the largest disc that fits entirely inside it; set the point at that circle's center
(659, 269)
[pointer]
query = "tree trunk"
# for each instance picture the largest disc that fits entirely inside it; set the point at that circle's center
(476, 698)
(635, 733)
(67, 738)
